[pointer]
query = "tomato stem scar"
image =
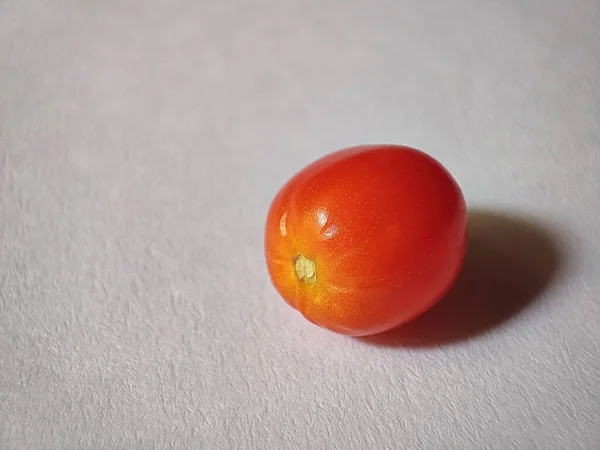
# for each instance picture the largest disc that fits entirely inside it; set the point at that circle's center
(304, 269)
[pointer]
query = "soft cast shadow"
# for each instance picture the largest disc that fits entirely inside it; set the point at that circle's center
(509, 262)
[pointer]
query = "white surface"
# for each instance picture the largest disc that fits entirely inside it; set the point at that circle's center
(140, 146)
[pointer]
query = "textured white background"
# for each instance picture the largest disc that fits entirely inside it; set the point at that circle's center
(140, 145)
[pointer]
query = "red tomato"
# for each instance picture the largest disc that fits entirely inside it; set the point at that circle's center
(366, 238)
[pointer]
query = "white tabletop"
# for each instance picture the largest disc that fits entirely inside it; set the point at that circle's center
(140, 146)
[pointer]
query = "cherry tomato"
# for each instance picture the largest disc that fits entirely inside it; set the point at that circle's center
(366, 238)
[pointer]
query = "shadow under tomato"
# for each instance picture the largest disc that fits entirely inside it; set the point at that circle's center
(509, 262)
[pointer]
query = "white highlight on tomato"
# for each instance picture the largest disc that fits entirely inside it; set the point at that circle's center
(282, 224)
(322, 217)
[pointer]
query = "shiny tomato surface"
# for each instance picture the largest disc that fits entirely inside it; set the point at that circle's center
(366, 238)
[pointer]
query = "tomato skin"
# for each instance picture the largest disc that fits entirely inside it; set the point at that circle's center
(366, 238)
